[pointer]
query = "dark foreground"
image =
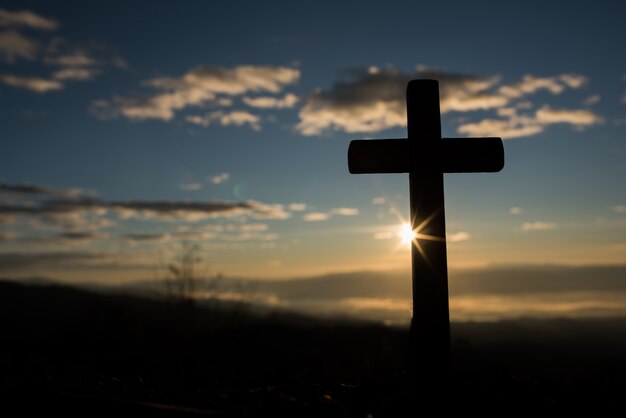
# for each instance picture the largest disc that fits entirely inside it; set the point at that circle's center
(77, 353)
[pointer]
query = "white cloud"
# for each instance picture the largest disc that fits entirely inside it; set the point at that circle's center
(316, 217)
(514, 127)
(190, 186)
(345, 211)
(204, 85)
(581, 117)
(379, 200)
(26, 18)
(297, 207)
(237, 118)
(531, 84)
(36, 84)
(515, 210)
(14, 45)
(289, 100)
(538, 226)
(219, 178)
(458, 236)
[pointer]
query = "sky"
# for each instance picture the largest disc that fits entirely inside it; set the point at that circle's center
(131, 127)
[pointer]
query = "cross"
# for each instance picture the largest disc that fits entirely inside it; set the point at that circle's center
(426, 156)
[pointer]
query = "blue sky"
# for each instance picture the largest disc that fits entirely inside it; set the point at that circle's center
(147, 116)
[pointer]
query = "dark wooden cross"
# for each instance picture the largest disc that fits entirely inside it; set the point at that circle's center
(426, 156)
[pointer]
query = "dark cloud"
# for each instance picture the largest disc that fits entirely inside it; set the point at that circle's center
(31, 189)
(67, 202)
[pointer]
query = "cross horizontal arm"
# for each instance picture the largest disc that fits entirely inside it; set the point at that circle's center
(460, 155)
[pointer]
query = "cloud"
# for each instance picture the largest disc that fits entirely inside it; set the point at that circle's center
(36, 84)
(515, 210)
(27, 19)
(458, 237)
(190, 186)
(538, 226)
(373, 100)
(289, 100)
(14, 45)
(236, 118)
(297, 207)
(379, 200)
(591, 100)
(515, 125)
(77, 74)
(316, 217)
(345, 211)
(31, 189)
(547, 115)
(220, 178)
(73, 61)
(157, 210)
(201, 86)
(555, 85)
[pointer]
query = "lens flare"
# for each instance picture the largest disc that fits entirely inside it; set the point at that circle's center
(407, 235)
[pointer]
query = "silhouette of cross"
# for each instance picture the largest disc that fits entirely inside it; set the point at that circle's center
(426, 156)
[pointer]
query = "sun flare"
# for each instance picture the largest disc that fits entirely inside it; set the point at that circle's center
(407, 235)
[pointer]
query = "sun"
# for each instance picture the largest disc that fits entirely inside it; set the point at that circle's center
(407, 235)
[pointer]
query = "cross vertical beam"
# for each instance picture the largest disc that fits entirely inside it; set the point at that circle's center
(426, 156)
(430, 325)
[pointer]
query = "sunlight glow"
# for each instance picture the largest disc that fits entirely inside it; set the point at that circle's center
(407, 234)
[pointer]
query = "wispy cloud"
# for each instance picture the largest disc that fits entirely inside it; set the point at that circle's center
(324, 216)
(201, 86)
(379, 200)
(538, 226)
(593, 99)
(515, 210)
(190, 186)
(36, 84)
(458, 236)
(14, 46)
(515, 125)
(155, 210)
(32, 189)
(26, 19)
(72, 61)
(582, 117)
(289, 100)
(297, 207)
(345, 211)
(220, 178)
(316, 217)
